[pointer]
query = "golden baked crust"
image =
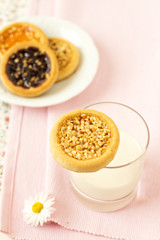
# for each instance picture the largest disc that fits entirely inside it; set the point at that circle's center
(29, 69)
(20, 32)
(67, 56)
(84, 140)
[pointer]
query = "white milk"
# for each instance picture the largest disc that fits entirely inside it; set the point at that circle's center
(113, 183)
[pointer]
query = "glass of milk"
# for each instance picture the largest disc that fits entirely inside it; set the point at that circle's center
(114, 186)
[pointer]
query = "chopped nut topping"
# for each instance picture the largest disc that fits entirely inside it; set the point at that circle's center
(84, 136)
(63, 53)
(16, 60)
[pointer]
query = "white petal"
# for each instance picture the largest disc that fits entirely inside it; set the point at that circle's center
(37, 220)
(49, 203)
(32, 219)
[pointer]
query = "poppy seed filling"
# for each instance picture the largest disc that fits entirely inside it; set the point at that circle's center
(28, 67)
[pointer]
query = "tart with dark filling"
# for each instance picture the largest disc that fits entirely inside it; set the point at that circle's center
(84, 140)
(67, 55)
(20, 32)
(29, 69)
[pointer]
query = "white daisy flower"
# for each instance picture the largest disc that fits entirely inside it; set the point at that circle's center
(39, 209)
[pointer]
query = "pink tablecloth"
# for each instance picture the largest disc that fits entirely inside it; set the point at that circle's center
(127, 34)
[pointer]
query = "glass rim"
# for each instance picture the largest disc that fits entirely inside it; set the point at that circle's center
(145, 123)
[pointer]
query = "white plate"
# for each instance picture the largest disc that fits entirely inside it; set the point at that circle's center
(63, 90)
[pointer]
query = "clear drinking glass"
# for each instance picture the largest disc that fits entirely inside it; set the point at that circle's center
(114, 186)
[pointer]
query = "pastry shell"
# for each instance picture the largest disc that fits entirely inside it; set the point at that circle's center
(90, 164)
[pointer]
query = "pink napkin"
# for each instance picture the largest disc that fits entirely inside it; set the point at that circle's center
(127, 35)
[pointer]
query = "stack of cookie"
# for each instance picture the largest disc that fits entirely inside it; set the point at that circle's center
(31, 63)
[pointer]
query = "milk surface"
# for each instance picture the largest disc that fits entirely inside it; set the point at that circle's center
(114, 183)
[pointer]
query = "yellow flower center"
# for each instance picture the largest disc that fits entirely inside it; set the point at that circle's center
(37, 207)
